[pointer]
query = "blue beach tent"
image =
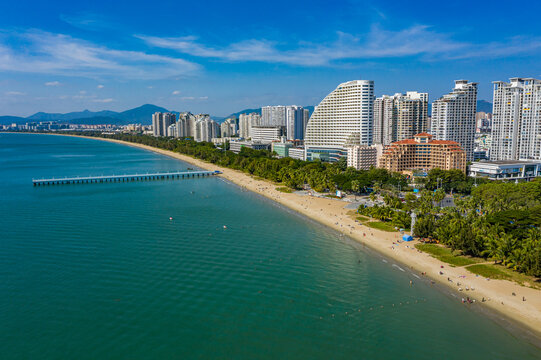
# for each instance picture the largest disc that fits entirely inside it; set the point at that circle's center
(407, 238)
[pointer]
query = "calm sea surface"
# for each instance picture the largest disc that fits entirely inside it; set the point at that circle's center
(98, 271)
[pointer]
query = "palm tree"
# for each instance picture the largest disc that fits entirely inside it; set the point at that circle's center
(356, 187)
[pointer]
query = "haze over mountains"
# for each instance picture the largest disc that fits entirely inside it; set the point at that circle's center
(139, 115)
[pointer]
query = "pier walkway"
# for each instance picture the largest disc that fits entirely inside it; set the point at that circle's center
(124, 178)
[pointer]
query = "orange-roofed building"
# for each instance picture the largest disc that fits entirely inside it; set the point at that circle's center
(423, 153)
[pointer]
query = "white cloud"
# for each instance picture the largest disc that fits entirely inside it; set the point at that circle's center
(103, 100)
(418, 40)
(51, 83)
(88, 21)
(176, 92)
(14, 93)
(191, 98)
(48, 53)
(100, 86)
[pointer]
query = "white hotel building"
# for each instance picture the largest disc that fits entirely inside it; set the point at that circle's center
(344, 118)
(516, 120)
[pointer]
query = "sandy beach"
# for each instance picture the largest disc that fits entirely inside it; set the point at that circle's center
(332, 213)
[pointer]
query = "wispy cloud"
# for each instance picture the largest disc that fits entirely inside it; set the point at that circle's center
(176, 92)
(418, 40)
(14, 93)
(192, 98)
(87, 21)
(48, 53)
(108, 100)
(100, 86)
(52, 83)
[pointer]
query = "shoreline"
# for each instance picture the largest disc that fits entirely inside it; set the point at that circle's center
(523, 316)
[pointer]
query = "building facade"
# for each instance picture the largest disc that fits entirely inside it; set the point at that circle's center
(297, 153)
(506, 170)
(295, 122)
(281, 148)
(483, 122)
(267, 134)
(400, 117)
(363, 157)
(161, 123)
(273, 115)
(453, 116)
(229, 127)
(246, 122)
(423, 153)
(206, 129)
(236, 146)
(342, 118)
(516, 120)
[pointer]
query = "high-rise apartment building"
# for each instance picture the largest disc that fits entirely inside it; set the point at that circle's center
(229, 127)
(400, 117)
(306, 118)
(453, 116)
(344, 118)
(516, 120)
(206, 128)
(246, 122)
(295, 122)
(161, 122)
(273, 115)
(184, 127)
(291, 117)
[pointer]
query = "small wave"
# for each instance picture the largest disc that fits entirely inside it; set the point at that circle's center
(398, 267)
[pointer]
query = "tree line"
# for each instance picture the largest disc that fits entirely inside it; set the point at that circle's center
(293, 173)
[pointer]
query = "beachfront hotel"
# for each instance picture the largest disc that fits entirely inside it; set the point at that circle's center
(343, 118)
(516, 128)
(453, 116)
(423, 153)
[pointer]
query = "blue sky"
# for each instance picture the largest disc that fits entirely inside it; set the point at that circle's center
(220, 57)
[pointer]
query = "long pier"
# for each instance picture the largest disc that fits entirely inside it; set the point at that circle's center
(124, 178)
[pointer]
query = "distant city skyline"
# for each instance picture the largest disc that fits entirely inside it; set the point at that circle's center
(211, 57)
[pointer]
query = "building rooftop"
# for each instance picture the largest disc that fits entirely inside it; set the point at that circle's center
(507, 162)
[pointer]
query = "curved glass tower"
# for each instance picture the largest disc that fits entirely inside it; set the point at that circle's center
(345, 115)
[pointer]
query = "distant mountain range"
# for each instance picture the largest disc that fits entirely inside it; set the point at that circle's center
(258, 111)
(484, 106)
(140, 115)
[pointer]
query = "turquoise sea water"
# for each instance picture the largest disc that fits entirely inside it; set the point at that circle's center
(98, 271)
